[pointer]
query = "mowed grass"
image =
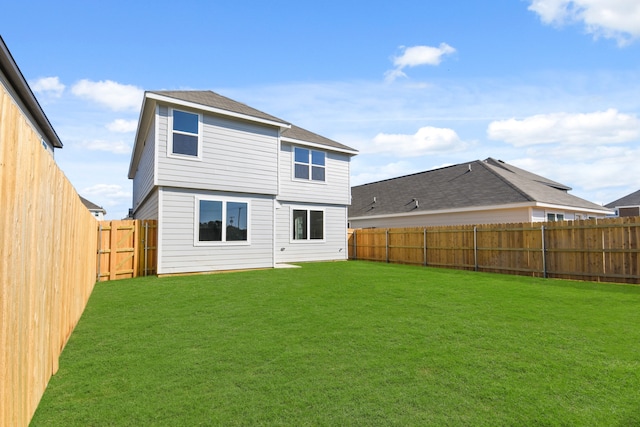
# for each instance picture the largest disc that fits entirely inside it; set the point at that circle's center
(351, 343)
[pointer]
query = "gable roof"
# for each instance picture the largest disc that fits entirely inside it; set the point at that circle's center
(632, 199)
(92, 206)
(296, 134)
(9, 69)
(215, 103)
(473, 184)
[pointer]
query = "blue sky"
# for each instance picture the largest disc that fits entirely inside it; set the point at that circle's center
(551, 86)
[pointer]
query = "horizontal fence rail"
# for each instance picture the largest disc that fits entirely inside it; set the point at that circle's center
(596, 250)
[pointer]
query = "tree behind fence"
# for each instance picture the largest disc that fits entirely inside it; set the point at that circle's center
(598, 250)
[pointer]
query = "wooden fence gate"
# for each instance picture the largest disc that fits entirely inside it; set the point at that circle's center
(126, 249)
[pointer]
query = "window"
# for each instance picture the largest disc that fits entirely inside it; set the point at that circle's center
(555, 217)
(308, 224)
(222, 221)
(185, 134)
(309, 164)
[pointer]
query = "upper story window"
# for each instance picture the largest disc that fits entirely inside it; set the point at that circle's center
(185, 134)
(309, 164)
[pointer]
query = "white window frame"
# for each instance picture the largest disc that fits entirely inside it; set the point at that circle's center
(555, 216)
(225, 201)
(170, 133)
(308, 209)
(309, 164)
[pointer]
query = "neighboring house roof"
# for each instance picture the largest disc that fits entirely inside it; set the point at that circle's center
(215, 103)
(632, 199)
(12, 73)
(473, 184)
(92, 206)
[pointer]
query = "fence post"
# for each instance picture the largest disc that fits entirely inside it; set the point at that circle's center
(425, 246)
(114, 251)
(355, 245)
(544, 255)
(99, 249)
(604, 255)
(146, 245)
(386, 244)
(475, 247)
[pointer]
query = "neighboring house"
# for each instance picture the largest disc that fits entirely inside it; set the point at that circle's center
(233, 187)
(16, 86)
(628, 205)
(97, 211)
(477, 192)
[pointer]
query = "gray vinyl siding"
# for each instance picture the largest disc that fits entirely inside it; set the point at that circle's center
(335, 189)
(143, 180)
(237, 156)
(334, 246)
(176, 239)
(149, 208)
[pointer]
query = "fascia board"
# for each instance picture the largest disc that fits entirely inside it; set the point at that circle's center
(574, 208)
(141, 131)
(15, 78)
(196, 106)
(316, 145)
(484, 208)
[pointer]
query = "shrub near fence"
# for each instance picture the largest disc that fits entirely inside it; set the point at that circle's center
(597, 250)
(47, 264)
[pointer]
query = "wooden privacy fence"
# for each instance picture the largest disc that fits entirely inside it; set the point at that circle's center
(596, 250)
(126, 249)
(47, 264)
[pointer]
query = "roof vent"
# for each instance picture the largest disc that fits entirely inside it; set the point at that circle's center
(417, 203)
(469, 167)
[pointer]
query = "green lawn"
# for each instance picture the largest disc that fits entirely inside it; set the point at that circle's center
(351, 343)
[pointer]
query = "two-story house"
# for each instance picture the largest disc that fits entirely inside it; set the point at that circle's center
(235, 188)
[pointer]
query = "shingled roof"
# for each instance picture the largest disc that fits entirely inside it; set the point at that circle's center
(215, 100)
(473, 184)
(295, 133)
(632, 199)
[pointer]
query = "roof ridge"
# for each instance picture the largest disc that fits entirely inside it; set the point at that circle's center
(506, 181)
(250, 111)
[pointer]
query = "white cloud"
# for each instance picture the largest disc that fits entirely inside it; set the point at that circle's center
(106, 194)
(602, 127)
(115, 147)
(122, 126)
(113, 95)
(586, 170)
(417, 55)
(427, 140)
(48, 86)
(363, 173)
(615, 19)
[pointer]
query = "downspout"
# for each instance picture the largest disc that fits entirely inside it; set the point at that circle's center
(275, 202)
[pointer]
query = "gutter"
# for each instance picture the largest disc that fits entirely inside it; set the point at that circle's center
(604, 211)
(16, 79)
